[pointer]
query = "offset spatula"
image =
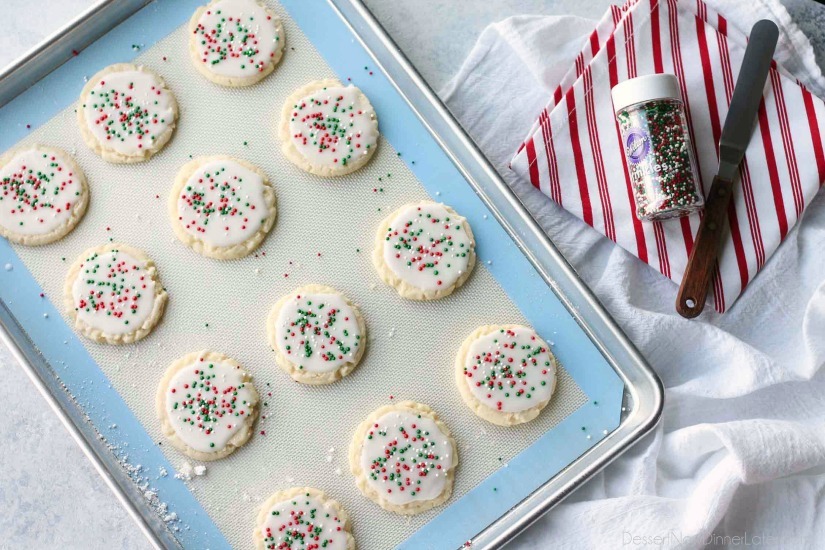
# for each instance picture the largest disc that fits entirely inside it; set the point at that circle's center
(734, 140)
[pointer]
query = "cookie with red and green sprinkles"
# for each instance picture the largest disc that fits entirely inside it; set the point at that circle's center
(113, 294)
(318, 334)
(404, 458)
(222, 207)
(424, 250)
(506, 374)
(43, 194)
(328, 129)
(303, 518)
(126, 113)
(235, 42)
(207, 405)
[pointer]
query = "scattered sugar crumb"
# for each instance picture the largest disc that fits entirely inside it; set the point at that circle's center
(185, 471)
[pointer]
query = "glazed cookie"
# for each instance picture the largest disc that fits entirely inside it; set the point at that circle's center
(235, 42)
(43, 194)
(302, 518)
(328, 129)
(207, 405)
(113, 294)
(403, 458)
(318, 335)
(424, 250)
(505, 373)
(126, 113)
(221, 207)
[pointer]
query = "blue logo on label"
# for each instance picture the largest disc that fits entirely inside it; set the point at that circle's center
(637, 145)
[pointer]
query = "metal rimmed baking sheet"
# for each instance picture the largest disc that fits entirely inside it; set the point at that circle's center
(528, 271)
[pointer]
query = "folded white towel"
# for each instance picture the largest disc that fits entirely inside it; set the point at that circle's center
(741, 448)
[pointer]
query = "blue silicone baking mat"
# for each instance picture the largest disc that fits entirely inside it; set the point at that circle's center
(304, 432)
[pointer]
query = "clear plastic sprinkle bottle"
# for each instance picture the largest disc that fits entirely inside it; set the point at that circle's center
(657, 147)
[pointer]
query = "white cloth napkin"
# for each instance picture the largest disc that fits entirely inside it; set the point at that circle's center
(741, 447)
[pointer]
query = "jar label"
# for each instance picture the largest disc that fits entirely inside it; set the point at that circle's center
(637, 145)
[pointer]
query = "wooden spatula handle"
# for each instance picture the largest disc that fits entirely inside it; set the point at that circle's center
(694, 288)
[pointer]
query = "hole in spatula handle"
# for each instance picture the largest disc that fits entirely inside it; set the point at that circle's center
(689, 307)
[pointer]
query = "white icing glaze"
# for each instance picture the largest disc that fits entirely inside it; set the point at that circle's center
(303, 522)
(237, 38)
(222, 203)
(38, 190)
(207, 402)
(427, 247)
(331, 127)
(405, 457)
(318, 332)
(510, 370)
(127, 110)
(113, 292)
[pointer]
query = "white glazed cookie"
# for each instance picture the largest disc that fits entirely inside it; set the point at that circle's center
(126, 114)
(318, 334)
(113, 294)
(404, 458)
(235, 42)
(221, 207)
(207, 405)
(328, 129)
(43, 194)
(424, 250)
(301, 518)
(505, 373)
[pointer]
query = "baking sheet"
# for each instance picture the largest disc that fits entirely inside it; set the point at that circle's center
(222, 305)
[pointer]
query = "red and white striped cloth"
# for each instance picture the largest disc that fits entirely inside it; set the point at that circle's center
(573, 152)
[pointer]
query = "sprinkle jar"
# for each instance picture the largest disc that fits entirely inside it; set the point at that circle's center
(657, 146)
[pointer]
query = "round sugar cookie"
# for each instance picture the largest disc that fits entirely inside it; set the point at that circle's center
(328, 129)
(235, 42)
(301, 518)
(43, 194)
(505, 373)
(113, 294)
(207, 405)
(424, 250)
(318, 334)
(221, 207)
(404, 458)
(126, 113)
